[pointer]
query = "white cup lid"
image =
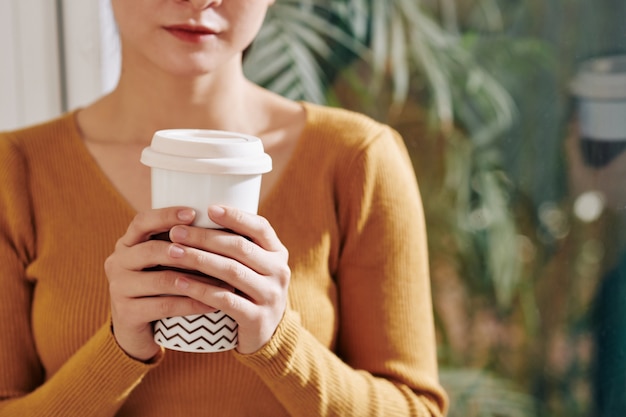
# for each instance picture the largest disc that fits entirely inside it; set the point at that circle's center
(602, 78)
(207, 151)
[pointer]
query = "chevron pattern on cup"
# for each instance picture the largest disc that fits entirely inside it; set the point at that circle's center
(213, 332)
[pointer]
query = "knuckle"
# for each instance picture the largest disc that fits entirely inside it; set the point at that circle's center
(255, 318)
(284, 275)
(109, 265)
(119, 244)
(205, 234)
(139, 219)
(202, 259)
(205, 292)
(155, 248)
(194, 305)
(245, 246)
(134, 228)
(265, 228)
(200, 292)
(263, 223)
(165, 307)
(114, 288)
(236, 271)
(284, 252)
(120, 310)
(118, 290)
(164, 280)
(238, 216)
(273, 295)
(230, 301)
(164, 216)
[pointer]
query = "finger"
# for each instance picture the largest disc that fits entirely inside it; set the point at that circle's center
(246, 224)
(233, 273)
(257, 288)
(235, 305)
(135, 284)
(256, 324)
(155, 221)
(141, 256)
(226, 244)
(156, 308)
(149, 255)
(232, 258)
(152, 267)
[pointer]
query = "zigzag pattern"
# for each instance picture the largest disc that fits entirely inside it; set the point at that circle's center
(213, 332)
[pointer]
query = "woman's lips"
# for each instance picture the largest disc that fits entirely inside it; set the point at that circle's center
(192, 34)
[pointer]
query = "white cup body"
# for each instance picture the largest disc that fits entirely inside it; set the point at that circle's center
(602, 120)
(600, 86)
(213, 332)
(199, 191)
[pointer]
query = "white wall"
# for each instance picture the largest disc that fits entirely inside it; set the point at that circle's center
(30, 88)
(91, 50)
(34, 86)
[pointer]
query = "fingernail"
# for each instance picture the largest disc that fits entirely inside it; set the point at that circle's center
(186, 215)
(176, 251)
(181, 283)
(216, 211)
(178, 233)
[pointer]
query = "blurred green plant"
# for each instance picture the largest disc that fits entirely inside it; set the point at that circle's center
(475, 393)
(485, 83)
(386, 51)
(391, 53)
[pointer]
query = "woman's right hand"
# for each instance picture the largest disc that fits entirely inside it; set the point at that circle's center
(139, 297)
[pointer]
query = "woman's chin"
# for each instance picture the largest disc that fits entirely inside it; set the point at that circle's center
(192, 66)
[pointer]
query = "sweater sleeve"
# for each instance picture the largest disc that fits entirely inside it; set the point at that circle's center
(386, 360)
(98, 378)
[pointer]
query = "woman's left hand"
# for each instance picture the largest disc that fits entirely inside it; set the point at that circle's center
(255, 265)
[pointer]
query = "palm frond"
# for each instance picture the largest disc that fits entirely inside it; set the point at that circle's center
(295, 49)
(476, 393)
(304, 43)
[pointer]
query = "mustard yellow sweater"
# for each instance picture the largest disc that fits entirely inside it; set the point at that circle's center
(357, 339)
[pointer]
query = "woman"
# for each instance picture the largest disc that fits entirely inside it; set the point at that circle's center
(340, 325)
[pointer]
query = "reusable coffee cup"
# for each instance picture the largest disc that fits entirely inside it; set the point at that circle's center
(600, 88)
(198, 168)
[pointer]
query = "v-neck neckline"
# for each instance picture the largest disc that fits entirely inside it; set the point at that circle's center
(109, 186)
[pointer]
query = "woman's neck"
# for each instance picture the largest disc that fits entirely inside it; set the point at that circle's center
(143, 103)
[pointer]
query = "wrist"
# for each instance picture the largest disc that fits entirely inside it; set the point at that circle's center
(147, 353)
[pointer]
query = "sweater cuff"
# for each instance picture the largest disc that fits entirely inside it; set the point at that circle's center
(275, 358)
(127, 368)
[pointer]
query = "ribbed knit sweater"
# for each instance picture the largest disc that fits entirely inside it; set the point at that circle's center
(357, 338)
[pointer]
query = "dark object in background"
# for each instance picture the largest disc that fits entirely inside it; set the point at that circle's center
(610, 337)
(600, 89)
(598, 153)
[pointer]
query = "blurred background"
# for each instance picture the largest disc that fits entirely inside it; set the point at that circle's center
(526, 207)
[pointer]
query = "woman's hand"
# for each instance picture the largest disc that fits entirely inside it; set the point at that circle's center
(255, 265)
(138, 297)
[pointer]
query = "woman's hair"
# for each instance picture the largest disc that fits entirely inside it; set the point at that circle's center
(245, 52)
